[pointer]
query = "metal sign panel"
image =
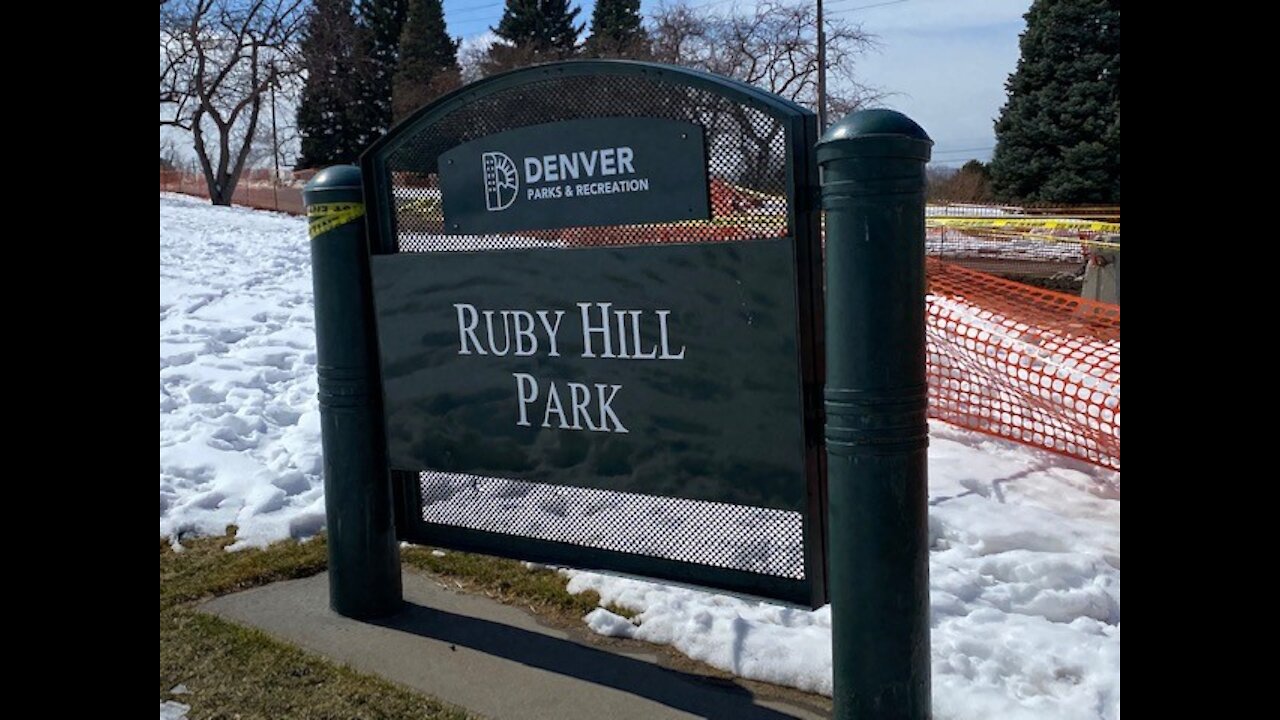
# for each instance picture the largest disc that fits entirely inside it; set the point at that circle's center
(626, 381)
(599, 171)
(669, 370)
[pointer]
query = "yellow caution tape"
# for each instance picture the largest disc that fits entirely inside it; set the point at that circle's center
(756, 194)
(984, 234)
(1041, 223)
(323, 217)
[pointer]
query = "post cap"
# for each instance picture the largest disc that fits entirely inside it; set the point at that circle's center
(875, 133)
(336, 177)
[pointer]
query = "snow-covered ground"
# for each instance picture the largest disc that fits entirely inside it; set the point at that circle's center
(239, 425)
(972, 210)
(957, 243)
(1025, 575)
(1025, 562)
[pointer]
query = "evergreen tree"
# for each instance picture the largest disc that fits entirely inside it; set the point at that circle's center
(1058, 135)
(533, 31)
(324, 114)
(380, 23)
(616, 31)
(428, 59)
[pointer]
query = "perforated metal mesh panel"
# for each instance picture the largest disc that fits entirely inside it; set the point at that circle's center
(746, 166)
(737, 537)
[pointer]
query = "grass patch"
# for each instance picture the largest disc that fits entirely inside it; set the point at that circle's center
(234, 672)
(205, 569)
(509, 581)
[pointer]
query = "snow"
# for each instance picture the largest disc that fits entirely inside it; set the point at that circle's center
(170, 710)
(1055, 246)
(972, 210)
(239, 424)
(1025, 577)
(953, 243)
(1025, 555)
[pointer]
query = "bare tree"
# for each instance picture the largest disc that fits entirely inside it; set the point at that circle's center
(176, 53)
(773, 46)
(471, 58)
(218, 59)
(679, 33)
(969, 184)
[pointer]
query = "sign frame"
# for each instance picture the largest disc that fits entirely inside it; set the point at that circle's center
(802, 227)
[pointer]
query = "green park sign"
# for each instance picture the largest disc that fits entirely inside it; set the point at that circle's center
(596, 290)
(576, 314)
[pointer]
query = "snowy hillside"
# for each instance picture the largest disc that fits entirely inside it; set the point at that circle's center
(1025, 559)
(239, 426)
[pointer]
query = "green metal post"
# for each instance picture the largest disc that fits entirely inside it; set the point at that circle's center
(872, 167)
(364, 556)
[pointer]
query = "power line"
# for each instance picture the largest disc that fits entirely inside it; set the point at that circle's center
(955, 161)
(866, 7)
(712, 3)
(476, 8)
(481, 18)
(474, 19)
(474, 13)
(696, 6)
(963, 150)
(692, 6)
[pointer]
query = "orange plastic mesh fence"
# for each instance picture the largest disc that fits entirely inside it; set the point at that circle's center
(1031, 365)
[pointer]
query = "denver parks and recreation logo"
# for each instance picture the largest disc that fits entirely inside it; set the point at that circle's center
(501, 181)
(554, 175)
(576, 173)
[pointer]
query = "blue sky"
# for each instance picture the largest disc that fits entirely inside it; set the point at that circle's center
(946, 61)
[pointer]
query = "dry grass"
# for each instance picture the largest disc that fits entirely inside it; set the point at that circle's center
(509, 581)
(233, 672)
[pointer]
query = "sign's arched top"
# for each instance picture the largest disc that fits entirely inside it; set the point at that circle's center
(608, 152)
(741, 92)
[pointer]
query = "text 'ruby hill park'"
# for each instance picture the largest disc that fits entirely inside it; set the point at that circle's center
(606, 334)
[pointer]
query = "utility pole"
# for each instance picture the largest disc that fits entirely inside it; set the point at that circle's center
(822, 72)
(275, 140)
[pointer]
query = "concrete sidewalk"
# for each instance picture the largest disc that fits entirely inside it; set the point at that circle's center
(490, 658)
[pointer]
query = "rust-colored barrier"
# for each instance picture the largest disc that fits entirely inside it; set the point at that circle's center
(1031, 365)
(254, 190)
